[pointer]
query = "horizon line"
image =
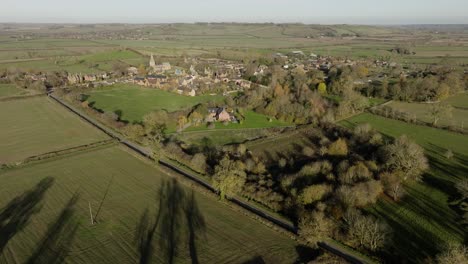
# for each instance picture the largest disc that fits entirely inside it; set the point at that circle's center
(236, 22)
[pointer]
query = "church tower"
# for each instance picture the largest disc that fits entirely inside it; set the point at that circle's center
(152, 63)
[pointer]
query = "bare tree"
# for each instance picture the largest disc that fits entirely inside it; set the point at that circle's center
(406, 156)
(453, 254)
(438, 111)
(365, 231)
(393, 185)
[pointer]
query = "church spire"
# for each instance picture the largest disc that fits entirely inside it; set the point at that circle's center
(152, 63)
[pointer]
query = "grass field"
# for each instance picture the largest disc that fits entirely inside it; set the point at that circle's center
(286, 145)
(459, 100)
(10, 90)
(135, 101)
(426, 219)
(38, 125)
(126, 195)
(74, 60)
(458, 119)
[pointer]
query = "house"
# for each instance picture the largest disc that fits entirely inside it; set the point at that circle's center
(187, 81)
(218, 114)
(155, 80)
(90, 78)
(132, 70)
(179, 72)
(192, 93)
(243, 83)
(139, 80)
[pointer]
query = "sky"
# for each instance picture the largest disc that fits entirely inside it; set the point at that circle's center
(277, 11)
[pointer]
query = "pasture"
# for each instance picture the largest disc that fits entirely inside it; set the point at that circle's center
(7, 90)
(458, 118)
(35, 126)
(142, 215)
(459, 101)
(134, 101)
(286, 145)
(426, 219)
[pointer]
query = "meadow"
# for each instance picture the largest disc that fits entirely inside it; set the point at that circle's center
(35, 126)
(141, 215)
(426, 219)
(7, 90)
(134, 101)
(459, 101)
(458, 118)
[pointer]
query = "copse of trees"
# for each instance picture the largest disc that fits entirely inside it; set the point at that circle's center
(423, 87)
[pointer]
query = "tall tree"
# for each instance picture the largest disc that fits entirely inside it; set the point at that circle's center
(438, 111)
(229, 177)
(406, 156)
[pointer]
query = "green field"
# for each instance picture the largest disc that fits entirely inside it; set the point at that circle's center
(10, 90)
(38, 125)
(136, 101)
(286, 145)
(426, 219)
(232, 41)
(459, 100)
(53, 197)
(74, 60)
(458, 119)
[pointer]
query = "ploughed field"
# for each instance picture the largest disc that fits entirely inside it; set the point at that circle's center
(426, 218)
(141, 213)
(34, 126)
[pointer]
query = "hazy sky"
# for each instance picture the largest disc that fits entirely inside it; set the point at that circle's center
(306, 11)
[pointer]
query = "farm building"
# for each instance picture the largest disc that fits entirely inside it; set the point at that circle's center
(218, 114)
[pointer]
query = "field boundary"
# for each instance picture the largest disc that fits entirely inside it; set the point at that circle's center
(378, 112)
(21, 97)
(261, 216)
(58, 154)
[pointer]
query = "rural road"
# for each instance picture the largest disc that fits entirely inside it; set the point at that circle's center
(334, 248)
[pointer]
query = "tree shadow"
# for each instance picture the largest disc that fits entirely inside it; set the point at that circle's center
(58, 238)
(103, 198)
(16, 214)
(176, 211)
(255, 260)
(196, 225)
(306, 254)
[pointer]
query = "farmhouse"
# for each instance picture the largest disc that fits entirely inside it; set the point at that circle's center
(218, 114)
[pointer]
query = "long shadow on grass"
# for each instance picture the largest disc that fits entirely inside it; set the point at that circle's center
(410, 241)
(16, 214)
(56, 242)
(176, 212)
(103, 198)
